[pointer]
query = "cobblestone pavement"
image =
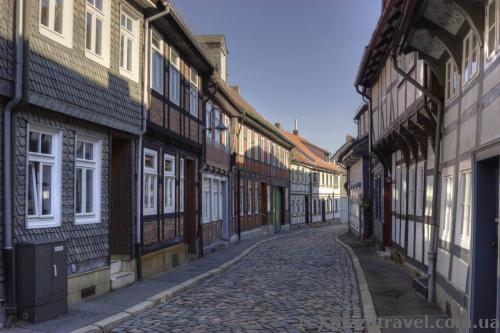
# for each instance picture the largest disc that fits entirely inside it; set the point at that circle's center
(298, 283)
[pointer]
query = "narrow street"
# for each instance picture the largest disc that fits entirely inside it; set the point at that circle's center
(296, 283)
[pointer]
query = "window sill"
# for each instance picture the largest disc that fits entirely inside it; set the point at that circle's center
(56, 37)
(41, 223)
(129, 75)
(102, 60)
(83, 221)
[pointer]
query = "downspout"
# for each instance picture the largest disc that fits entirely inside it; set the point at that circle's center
(145, 105)
(239, 179)
(435, 181)
(8, 246)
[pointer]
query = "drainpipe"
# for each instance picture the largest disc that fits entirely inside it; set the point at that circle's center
(145, 105)
(437, 156)
(18, 98)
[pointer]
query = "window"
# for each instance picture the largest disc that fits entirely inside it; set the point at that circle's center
(44, 177)
(150, 181)
(221, 199)
(215, 200)
(216, 124)
(208, 120)
(491, 31)
(448, 207)
(181, 185)
(268, 152)
(129, 47)
(169, 183)
(227, 131)
(56, 20)
(249, 188)
(193, 92)
(411, 191)
(242, 198)
(174, 77)
(470, 57)
(269, 198)
(420, 191)
(157, 72)
(97, 31)
(87, 180)
(464, 208)
(207, 204)
(256, 147)
(262, 149)
(241, 144)
(404, 189)
(286, 198)
(452, 80)
(249, 142)
(256, 197)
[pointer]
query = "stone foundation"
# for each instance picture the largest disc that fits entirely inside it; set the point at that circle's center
(98, 279)
(163, 260)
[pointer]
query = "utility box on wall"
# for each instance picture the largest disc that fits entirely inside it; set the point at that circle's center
(41, 276)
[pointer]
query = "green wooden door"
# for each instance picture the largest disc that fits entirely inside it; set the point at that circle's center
(277, 209)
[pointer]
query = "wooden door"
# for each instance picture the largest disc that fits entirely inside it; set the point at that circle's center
(121, 222)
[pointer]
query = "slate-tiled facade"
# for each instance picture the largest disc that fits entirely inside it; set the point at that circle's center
(6, 47)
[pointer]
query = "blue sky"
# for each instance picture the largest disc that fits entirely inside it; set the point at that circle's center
(293, 58)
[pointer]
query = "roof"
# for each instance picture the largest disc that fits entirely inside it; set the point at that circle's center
(303, 154)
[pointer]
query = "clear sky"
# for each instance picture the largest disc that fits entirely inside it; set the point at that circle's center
(293, 58)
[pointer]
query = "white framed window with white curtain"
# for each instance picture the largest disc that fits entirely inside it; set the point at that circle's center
(256, 197)
(174, 83)
(447, 206)
(129, 44)
(207, 202)
(249, 142)
(215, 199)
(470, 57)
(182, 185)
(464, 213)
(44, 177)
(250, 197)
(150, 182)
(157, 71)
(56, 21)
(88, 159)
(169, 183)
(97, 30)
(193, 91)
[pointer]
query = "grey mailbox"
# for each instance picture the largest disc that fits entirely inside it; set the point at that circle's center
(41, 274)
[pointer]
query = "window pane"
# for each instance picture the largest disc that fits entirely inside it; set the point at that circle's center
(123, 18)
(168, 166)
(88, 37)
(58, 16)
(89, 190)
(129, 54)
(79, 149)
(33, 187)
(89, 151)
(46, 189)
(34, 139)
(98, 36)
(46, 144)
(152, 191)
(44, 12)
(98, 4)
(78, 191)
(149, 161)
(146, 192)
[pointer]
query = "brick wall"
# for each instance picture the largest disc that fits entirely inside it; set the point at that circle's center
(65, 80)
(87, 244)
(212, 232)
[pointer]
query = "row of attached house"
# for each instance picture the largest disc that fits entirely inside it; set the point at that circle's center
(424, 169)
(124, 147)
(317, 190)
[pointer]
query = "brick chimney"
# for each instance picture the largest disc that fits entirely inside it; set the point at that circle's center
(236, 88)
(278, 125)
(296, 129)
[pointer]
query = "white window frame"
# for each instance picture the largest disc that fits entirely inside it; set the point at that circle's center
(169, 185)
(209, 110)
(268, 198)
(174, 81)
(420, 190)
(256, 192)
(217, 115)
(157, 80)
(242, 198)
(411, 190)
(250, 196)
(215, 199)
(491, 30)
(96, 165)
(153, 176)
(464, 209)
(207, 199)
(249, 143)
(447, 206)
(194, 87)
(54, 160)
(105, 16)
(241, 140)
(452, 85)
(182, 184)
(133, 37)
(468, 50)
(268, 152)
(65, 37)
(227, 123)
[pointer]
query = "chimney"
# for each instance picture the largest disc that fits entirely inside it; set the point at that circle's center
(278, 125)
(236, 88)
(296, 129)
(349, 138)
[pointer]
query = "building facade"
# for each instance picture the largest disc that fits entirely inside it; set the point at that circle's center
(430, 76)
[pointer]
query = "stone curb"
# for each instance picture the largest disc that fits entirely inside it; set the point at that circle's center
(107, 324)
(369, 313)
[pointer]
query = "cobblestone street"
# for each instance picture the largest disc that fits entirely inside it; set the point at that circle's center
(296, 283)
